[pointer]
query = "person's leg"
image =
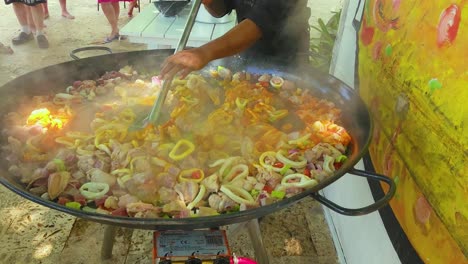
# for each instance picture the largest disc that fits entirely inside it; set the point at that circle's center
(132, 5)
(112, 17)
(31, 24)
(46, 10)
(38, 17)
(65, 13)
(21, 13)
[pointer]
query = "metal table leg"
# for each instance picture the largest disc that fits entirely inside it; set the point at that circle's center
(108, 243)
(261, 255)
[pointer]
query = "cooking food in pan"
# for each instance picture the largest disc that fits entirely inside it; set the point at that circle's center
(229, 142)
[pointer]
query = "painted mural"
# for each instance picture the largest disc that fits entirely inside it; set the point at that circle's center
(413, 69)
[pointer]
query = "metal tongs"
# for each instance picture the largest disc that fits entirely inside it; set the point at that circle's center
(166, 84)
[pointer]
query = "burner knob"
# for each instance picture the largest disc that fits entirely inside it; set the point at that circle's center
(221, 260)
(193, 261)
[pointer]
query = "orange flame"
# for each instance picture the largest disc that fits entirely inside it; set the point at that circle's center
(44, 118)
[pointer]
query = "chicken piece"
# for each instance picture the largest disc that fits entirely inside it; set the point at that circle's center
(141, 164)
(187, 190)
(167, 195)
(269, 178)
(119, 154)
(127, 199)
(97, 175)
(319, 150)
(220, 202)
(144, 186)
(211, 183)
(85, 163)
(165, 179)
(143, 210)
(174, 206)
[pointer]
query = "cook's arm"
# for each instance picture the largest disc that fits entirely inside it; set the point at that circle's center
(238, 39)
(216, 8)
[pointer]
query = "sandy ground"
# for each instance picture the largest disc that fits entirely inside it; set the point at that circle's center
(30, 233)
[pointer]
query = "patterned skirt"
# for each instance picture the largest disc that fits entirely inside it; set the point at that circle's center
(26, 2)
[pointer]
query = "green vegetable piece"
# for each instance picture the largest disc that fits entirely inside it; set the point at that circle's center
(278, 194)
(285, 169)
(88, 209)
(60, 164)
(254, 193)
(341, 158)
(73, 205)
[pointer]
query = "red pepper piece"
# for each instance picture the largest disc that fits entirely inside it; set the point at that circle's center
(337, 165)
(196, 175)
(63, 200)
(278, 164)
(268, 188)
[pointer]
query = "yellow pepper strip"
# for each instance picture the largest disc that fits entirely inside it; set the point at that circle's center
(198, 198)
(278, 114)
(104, 148)
(294, 164)
(159, 162)
(300, 141)
(193, 175)
(122, 180)
(190, 147)
(304, 181)
(237, 194)
(241, 103)
(84, 152)
(240, 171)
(94, 190)
(64, 141)
(121, 172)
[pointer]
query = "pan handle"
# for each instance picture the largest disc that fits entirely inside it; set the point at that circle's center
(73, 52)
(367, 209)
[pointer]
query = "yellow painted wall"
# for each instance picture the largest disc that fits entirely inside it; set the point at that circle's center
(413, 67)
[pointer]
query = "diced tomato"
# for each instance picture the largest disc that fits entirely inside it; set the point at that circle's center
(268, 188)
(119, 212)
(307, 172)
(264, 84)
(196, 175)
(278, 164)
(79, 198)
(100, 201)
(337, 165)
(106, 107)
(63, 200)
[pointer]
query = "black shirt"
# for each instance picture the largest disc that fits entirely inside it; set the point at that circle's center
(284, 25)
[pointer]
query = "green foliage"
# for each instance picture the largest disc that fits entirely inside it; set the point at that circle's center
(321, 48)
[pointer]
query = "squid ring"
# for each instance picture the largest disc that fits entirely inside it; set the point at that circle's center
(305, 182)
(94, 190)
(237, 194)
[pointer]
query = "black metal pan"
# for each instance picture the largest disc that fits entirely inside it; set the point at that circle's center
(355, 117)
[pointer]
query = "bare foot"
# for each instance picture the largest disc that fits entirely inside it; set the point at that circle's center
(5, 49)
(68, 15)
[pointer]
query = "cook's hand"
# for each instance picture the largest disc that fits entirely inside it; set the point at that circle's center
(184, 62)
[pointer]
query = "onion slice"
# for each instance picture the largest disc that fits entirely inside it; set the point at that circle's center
(237, 194)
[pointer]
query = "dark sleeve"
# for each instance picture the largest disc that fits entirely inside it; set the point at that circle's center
(270, 15)
(229, 6)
